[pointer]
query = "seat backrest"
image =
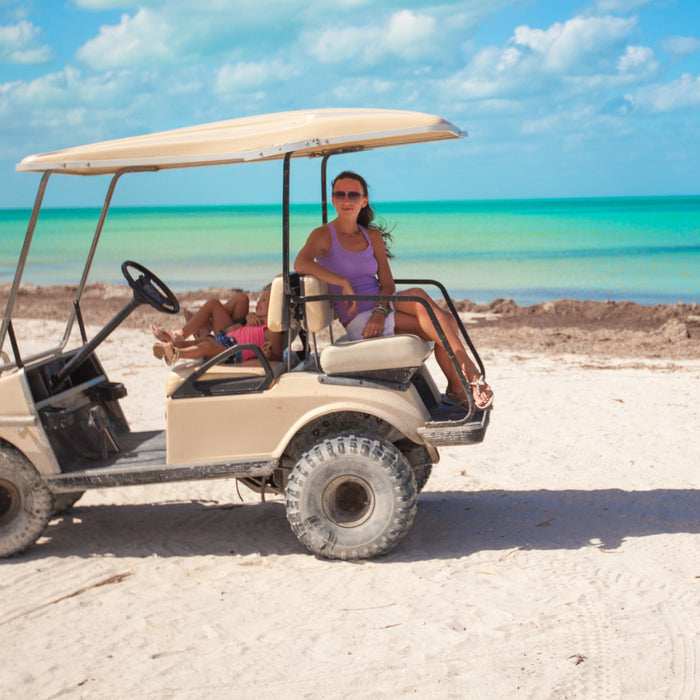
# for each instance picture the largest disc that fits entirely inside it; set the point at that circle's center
(317, 314)
(278, 309)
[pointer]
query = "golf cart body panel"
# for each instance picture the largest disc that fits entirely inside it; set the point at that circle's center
(201, 430)
(19, 423)
(348, 434)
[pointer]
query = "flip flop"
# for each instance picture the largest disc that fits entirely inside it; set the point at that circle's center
(452, 399)
(166, 352)
(479, 384)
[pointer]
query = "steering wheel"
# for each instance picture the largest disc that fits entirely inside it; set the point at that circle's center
(148, 289)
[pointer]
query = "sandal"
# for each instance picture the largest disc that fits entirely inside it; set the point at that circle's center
(452, 399)
(480, 384)
(166, 336)
(166, 352)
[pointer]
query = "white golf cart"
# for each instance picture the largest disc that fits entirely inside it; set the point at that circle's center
(348, 434)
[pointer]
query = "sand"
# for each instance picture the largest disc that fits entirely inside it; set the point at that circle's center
(558, 559)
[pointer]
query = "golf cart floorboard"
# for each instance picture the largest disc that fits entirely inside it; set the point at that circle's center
(446, 427)
(142, 460)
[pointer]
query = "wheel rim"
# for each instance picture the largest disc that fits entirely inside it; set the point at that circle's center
(348, 501)
(10, 502)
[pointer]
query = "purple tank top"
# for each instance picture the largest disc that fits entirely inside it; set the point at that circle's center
(360, 269)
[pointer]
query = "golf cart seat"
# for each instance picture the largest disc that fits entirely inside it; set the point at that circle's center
(277, 321)
(393, 358)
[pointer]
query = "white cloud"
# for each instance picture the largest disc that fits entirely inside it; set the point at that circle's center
(247, 75)
(638, 60)
(359, 90)
(581, 45)
(680, 94)
(68, 87)
(404, 34)
(136, 41)
(17, 44)
(681, 45)
(578, 123)
(182, 32)
(581, 55)
(409, 34)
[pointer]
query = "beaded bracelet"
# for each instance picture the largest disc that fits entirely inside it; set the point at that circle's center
(382, 309)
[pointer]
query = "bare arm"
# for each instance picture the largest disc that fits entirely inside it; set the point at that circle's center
(252, 319)
(275, 340)
(375, 325)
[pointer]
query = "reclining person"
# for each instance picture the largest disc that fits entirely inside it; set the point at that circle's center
(251, 329)
(213, 317)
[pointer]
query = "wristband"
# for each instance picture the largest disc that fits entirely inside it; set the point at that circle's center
(382, 309)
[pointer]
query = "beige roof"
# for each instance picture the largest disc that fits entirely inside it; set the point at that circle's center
(307, 133)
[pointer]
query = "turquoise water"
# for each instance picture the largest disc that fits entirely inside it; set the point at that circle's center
(636, 249)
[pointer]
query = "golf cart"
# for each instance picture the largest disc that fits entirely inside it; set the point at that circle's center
(347, 432)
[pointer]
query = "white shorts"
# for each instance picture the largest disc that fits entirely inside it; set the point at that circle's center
(357, 325)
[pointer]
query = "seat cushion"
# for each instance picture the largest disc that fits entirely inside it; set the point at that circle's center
(397, 351)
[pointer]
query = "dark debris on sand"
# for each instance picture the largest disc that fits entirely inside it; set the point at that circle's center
(605, 329)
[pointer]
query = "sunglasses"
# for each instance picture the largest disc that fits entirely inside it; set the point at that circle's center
(352, 196)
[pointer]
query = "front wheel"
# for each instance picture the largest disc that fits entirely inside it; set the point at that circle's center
(26, 503)
(351, 497)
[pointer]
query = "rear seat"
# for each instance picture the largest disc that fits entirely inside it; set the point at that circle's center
(390, 357)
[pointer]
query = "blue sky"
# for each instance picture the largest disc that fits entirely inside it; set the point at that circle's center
(560, 98)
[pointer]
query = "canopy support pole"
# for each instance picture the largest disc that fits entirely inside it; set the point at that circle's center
(91, 255)
(324, 188)
(285, 224)
(31, 227)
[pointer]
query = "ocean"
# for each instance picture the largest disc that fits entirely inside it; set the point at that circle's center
(642, 249)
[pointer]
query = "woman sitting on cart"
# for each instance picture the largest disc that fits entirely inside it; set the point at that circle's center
(350, 255)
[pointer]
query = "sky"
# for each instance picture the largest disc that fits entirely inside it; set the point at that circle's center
(559, 98)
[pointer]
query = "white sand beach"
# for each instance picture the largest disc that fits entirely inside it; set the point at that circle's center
(558, 559)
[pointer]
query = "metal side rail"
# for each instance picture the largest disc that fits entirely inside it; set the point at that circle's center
(135, 476)
(143, 462)
(451, 426)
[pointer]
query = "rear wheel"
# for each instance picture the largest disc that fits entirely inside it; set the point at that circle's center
(351, 497)
(26, 503)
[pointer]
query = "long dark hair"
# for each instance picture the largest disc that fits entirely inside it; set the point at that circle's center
(367, 217)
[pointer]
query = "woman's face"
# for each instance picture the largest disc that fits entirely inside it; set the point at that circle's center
(343, 202)
(263, 305)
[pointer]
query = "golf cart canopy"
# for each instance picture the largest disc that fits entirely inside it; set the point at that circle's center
(303, 134)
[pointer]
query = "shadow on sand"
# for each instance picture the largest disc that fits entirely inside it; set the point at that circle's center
(448, 525)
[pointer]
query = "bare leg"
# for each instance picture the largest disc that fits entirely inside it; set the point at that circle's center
(214, 312)
(238, 306)
(412, 317)
(212, 316)
(205, 348)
